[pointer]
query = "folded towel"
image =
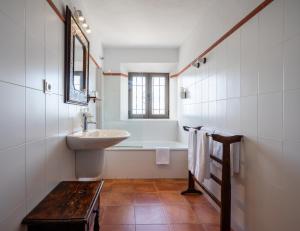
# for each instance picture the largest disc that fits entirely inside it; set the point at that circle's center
(162, 155)
(234, 154)
(191, 150)
(202, 160)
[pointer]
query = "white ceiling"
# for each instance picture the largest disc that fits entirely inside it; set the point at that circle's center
(142, 23)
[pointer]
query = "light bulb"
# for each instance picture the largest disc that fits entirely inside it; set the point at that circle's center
(84, 25)
(80, 15)
(88, 30)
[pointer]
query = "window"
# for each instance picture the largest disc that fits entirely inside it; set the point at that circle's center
(148, 95)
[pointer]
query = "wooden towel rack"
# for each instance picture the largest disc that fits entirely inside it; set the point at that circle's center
(225, 182)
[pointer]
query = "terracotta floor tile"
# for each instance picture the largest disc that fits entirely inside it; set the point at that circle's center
(146, 198)
(209, 227)
(122, 187)
(145, 187)
(150, 215)
(120, 215)
(152, 228)
(172, 198)
(207, 214)
(107, 186)
(104, 198)
(170, 186)
(118, 228)
(196, 199)
(180, 213)
(117, 198)
(188, 227)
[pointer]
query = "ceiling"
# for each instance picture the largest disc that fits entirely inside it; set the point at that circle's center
(142, 23)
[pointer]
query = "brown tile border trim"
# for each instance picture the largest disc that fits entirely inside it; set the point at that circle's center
(115, 74)
(62, 18)
(226, 35)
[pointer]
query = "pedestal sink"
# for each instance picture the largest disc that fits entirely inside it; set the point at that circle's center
(89, 149)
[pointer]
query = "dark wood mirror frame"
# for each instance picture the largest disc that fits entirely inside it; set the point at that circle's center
(72, 32)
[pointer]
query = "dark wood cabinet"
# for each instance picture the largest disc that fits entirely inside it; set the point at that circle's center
(70, 206)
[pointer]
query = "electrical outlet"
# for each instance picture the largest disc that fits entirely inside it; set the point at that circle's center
(47, 86)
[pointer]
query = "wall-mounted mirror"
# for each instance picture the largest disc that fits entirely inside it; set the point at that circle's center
(76, 62)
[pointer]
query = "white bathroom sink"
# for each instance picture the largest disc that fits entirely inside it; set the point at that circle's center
(96, 139)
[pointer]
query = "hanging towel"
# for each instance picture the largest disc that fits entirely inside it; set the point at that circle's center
(202, 160)
(191, 150)
(162, 155)
(234, 154)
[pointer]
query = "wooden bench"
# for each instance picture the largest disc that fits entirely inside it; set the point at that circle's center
(70, 206)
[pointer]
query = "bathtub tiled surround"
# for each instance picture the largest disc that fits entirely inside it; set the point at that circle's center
(256, 75)
(33, 152)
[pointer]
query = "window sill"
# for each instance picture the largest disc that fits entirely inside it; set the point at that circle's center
(158, 120)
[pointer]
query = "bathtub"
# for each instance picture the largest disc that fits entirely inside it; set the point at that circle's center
(136, 159)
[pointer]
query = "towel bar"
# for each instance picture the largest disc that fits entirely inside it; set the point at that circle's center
(225, 182)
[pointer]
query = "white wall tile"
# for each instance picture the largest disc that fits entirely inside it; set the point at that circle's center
(212, 84)
(12, 123)
(221, 85)
(14, 10)
(35, 114)
(270, 159)
(212, 111)
(233, 114)
(35, 172)
(65, 123)
(35, 19)
(291, 164)
(53, 164)
(61, 60)
(205, 87)
(67, 159)
(12, 178)
(271, 24)
(221, 57)
(35, 63)
(51, 115)
(249, 53)
(249, 115)
(221, 113)
(74, 115)
(13, 221)
(271, 69)
(52, 60)
(205, 113)
(270, 110)
(233, 82)
(12, 44)
(52, 23)
(291, 63)
(234, 49)
(291, 18)
(233, 65)
(291, 115)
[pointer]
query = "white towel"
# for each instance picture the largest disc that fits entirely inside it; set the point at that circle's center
(162, 155)
(234, 154)
(202, 160)
(191, 150)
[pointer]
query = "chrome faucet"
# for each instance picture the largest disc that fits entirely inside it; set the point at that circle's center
(85, 122)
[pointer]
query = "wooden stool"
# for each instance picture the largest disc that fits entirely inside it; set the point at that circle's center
(71, 206)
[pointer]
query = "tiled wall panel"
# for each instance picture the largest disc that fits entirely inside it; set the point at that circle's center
(259, 68)
(34, 155)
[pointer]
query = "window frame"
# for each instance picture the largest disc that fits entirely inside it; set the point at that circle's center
(148, 105)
